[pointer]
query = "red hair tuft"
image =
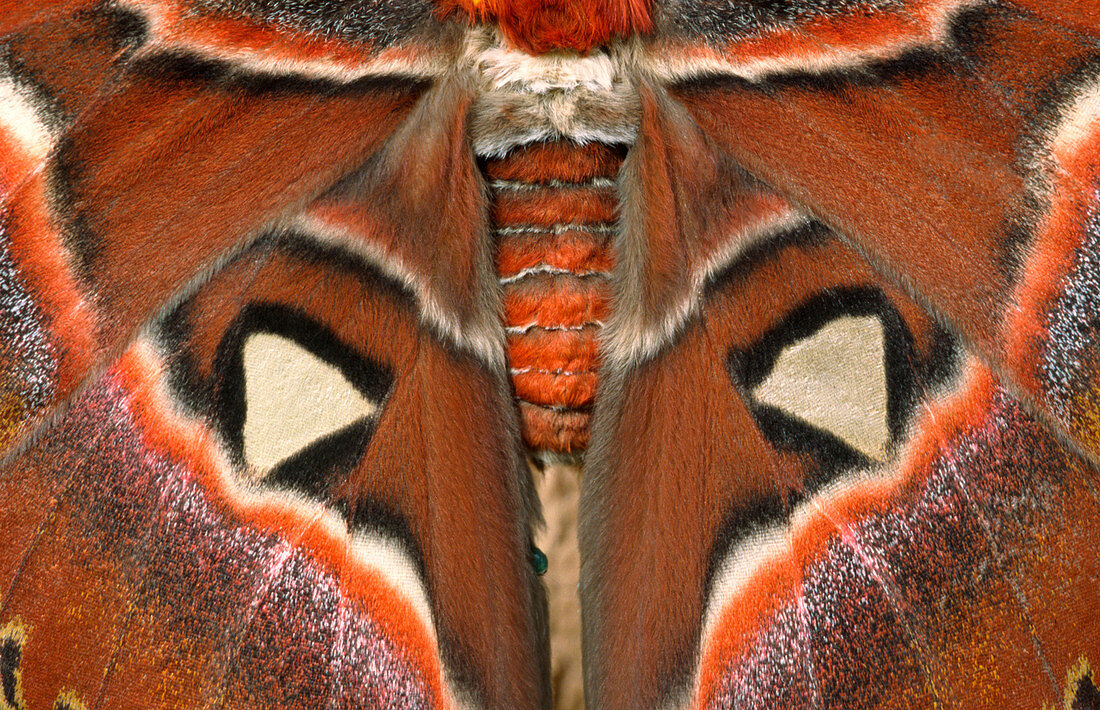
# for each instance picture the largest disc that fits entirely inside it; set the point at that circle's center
(540, 26)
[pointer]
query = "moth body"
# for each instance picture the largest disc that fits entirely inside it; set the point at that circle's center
(553, 207)
(551, 132)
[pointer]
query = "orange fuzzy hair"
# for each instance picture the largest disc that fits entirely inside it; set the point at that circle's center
(540, 26)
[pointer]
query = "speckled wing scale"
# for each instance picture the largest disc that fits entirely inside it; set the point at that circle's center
(288, 290)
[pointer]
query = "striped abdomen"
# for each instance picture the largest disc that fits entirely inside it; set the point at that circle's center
(553, 211)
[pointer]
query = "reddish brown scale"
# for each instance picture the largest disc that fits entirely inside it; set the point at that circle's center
(539, 163)
(553, 210)
(569, 390)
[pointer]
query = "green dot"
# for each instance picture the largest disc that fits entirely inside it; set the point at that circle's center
(538, 559)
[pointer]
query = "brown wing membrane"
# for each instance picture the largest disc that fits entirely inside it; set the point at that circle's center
(952, 162)
(711, 463)
(283, 466)
(135, 160)
(231, 570)
(811, 487)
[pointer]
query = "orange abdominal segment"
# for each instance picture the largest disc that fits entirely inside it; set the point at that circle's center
(553, 210)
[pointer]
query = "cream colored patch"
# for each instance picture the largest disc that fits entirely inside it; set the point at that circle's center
(21, 121)
(559, 491)
(292, 399)
(836, 381)
(504, 68)
(561, 95)
(1080, 121)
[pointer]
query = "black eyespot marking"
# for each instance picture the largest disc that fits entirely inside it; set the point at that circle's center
(11, 656)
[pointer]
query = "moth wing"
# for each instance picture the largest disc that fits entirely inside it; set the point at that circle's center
(951, 143)
(809, 484)
(259, 447)
(146, 140)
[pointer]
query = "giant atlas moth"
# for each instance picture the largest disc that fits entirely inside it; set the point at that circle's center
(293, 293)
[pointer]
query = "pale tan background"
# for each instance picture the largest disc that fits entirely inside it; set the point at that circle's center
(559, 487)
